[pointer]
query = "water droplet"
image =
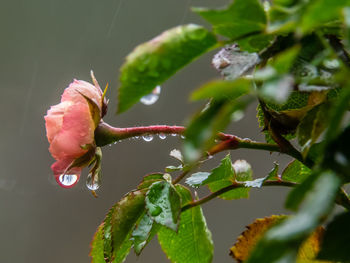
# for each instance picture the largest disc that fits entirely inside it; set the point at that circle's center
(93, 182)
(147, 137)
(162, 136)
(156, 211)
(136, 137)
(152, 97)
(68, 179)
(173, 134)
(115, 142)
(182, 137)
(331, 63)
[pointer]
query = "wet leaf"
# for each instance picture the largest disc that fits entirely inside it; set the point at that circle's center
(143, 233)
(153, 62)
(163, 204)
(336, 240)
(222, 90)
(255, 231)
(239, 19)
(197, 179)
(281, 243)
(118, 225)
(177, 155)
(192, 243)
(233, 63)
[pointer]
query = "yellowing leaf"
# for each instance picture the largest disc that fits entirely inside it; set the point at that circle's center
(249, 238)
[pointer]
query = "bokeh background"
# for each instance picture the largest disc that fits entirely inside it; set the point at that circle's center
(44, 45)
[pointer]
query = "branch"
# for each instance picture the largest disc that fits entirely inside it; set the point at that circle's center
(231, 187)
(342, 198)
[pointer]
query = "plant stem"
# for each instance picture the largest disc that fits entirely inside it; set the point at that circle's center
(342, 198)
(231, 187)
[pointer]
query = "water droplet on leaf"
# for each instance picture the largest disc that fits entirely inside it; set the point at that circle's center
(156, 211)
(68, 179)
(152, 97)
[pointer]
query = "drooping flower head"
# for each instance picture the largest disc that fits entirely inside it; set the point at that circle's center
(70, 127)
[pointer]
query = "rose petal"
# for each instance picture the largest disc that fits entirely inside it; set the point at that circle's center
(77, 130)
(54, 119)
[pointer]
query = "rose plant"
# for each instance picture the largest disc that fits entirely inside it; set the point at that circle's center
(289, 56)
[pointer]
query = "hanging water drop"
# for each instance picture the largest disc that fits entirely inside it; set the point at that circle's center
(93, 182)
(152, 97)
(68, 179)
(182, 136)
(173, 134)
(162, 136)
(147, 137)
(136, 137)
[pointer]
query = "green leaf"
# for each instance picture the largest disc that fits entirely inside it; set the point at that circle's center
(97, 246)
(242, 17)
(241, 171)
(336, 240)
(273, 175)
(119, 224)
(296, 172)
(163, 204)
(153, 62)
(149, 179)
(222, 90)
(281, 242)
(143, 233)
(320, 12)
(312, 125)
(192, 243)
(255, 43)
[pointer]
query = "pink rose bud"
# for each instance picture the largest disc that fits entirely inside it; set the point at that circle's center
(70, 127)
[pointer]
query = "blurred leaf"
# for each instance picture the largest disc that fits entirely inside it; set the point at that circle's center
(337, 154)
(241, 170)
(278, 83)
(255, 43)
(143, 233)
(172, 168)
(149, 179)
(163, 204)
(281, 243)
(336, 240)
(153, 62)
(118, 225)
(233, 63)
(312, 125)
(192, 243)
(242, 17)
(320, 12)
(255, 231)
(296, 172)
(222, 90)
(97, 246)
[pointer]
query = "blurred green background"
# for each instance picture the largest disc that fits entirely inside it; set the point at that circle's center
(44, 45)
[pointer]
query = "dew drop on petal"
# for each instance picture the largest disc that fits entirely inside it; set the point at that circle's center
(68, 179)
(152, 97)
(162, 136)
(93, 182)
(147, 137)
